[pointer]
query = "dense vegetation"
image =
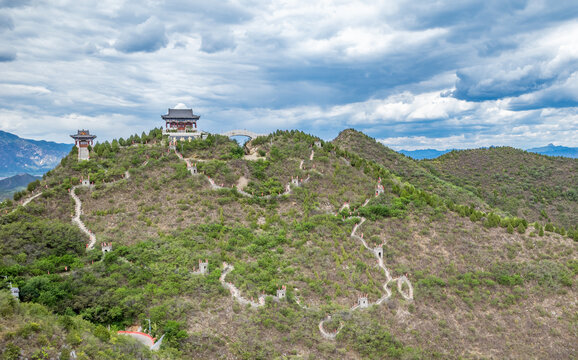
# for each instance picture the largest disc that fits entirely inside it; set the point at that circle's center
(520, 183)
(479, 271)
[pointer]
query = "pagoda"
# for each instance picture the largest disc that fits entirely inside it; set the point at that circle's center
(82, 139)
(181, 123)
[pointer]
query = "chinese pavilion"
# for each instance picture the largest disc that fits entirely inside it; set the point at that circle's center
(181, 124)
(82, 139)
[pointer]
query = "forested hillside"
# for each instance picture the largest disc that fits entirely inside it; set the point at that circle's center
(524, 184)
(290, 228)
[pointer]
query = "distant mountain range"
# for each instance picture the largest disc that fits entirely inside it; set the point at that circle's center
(18, 156)
(15, 183)
(550, 150)
(553, 150)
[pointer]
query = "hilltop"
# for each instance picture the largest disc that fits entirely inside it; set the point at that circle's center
(405, 168)
(286, 210)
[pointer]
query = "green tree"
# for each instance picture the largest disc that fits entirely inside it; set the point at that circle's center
(33, 185)
(115, 147)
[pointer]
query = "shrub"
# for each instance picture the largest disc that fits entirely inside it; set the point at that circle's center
(11, 352)
(492, 220)
(510, 280)
(102, 333)
(7, 304)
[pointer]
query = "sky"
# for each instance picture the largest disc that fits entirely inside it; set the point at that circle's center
(413, 74)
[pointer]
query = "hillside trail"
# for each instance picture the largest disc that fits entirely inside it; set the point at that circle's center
(388, 278)
(236, 293)
(227, 268)
(78, 210)
(76, 219)
(26, 201)
(215, 186)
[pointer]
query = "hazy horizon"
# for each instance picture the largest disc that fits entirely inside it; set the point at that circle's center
(394, 148)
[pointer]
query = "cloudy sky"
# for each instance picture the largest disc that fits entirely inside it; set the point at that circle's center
(413, 74)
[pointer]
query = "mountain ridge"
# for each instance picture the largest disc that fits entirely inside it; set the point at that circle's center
(554, 150)
(549, 150)
(10, 185)
(18, 155)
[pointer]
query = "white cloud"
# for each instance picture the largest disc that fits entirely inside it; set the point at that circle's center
(318, 66)
(34, 127)
(148, 36)
(554, 126)
(10, 90)
(543, 59)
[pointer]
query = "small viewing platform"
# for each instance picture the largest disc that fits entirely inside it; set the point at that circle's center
(184, 134)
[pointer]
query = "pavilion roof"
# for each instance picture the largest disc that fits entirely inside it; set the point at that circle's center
(180, 114)
(83, 134)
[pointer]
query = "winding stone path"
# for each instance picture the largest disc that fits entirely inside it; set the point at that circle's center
(235, 292)
(328, 335)
(76, 219)
(215, 186)
(27, 201)
(227, 268)
(388, 278)
(78, 212)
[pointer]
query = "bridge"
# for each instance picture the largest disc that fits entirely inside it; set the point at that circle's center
(246, 133)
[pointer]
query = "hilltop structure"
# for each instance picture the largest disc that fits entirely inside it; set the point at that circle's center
(181, 124)
(82, 139)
